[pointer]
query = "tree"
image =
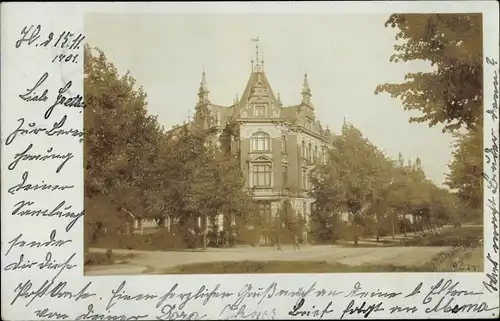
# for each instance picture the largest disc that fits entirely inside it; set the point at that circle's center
(351, 181)
(131, 161)
(452, 93)
(120, 138)
(466, 168)
(288, 224)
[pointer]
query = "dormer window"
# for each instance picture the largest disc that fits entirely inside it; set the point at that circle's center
(260, 111)
(308, 124)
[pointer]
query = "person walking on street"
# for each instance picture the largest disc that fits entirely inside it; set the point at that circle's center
(295, 243)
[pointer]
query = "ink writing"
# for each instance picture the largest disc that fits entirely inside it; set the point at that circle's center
(357, 292)
(46, 314)
(31, 94)
(241, 312)
(48, 264)
(493, 111)
(18, 242)
(492, 283)
(91, 314)
(49, 155)
(33, 129)
(298, 310)
(37, 94)
(31, 36)
(174, 312)
(364, 309)
(75, 101)
(405, 310)
(49, 289)
(23, 186)
(23, 208)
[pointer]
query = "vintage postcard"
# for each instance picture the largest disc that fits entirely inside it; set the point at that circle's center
(250, 161)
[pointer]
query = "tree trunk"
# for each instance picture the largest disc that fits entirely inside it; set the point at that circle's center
(377, 226)
(204, 225)
(392, 226)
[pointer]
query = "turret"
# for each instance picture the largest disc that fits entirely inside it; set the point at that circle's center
(306, 92)
(418, 163)
(203, 90)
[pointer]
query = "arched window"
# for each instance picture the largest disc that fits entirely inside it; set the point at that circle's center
(260, 142)
(283, 144)
(261, 174)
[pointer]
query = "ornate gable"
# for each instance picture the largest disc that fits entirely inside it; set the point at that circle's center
(261, 159)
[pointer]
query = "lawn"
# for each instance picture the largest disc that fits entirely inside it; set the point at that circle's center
(285, 267)
(108, 258)
(457, 260)
(468, 236)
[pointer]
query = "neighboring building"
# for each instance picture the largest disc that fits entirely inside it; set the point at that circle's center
(277, 145)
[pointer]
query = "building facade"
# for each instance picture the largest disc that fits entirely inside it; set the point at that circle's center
(277, 145)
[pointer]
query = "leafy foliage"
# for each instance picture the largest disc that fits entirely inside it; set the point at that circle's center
(466, 169)
(452, 93)
(288, 224)
(134, 164)
(360, 182)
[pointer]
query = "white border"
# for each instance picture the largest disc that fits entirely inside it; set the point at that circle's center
(21, 66)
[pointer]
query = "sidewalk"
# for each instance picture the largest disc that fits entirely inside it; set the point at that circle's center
(398, 238)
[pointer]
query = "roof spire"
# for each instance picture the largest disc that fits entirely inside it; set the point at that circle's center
(203, 90)
(306, 91)
(257, 67)
(418, 162)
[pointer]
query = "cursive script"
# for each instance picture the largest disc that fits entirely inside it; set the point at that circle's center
(34, 129)
(49, 155)
(241, 312)
(491, 180)
(48, 264)
(91, 314)
(50, 289)
(18, 242)
(23, 208)
(363, 309)
(298, 310)
(24, 186)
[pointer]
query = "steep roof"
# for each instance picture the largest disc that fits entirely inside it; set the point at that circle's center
(252, 81)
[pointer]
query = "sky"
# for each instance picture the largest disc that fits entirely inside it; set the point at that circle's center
(346, 56)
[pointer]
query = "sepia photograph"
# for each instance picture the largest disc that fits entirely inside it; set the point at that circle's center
(283, 143)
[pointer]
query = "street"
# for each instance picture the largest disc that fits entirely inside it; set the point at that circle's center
(153, 262)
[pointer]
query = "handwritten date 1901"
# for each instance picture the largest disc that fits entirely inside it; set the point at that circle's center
(64, 40)
(66, 58)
